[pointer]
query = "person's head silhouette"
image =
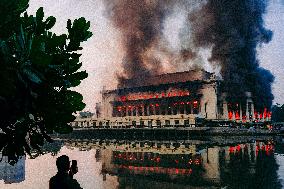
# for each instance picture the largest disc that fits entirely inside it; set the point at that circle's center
(63, 163)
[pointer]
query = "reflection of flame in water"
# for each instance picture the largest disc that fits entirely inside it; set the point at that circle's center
(154, 164)
(139, 162)
(267, 148)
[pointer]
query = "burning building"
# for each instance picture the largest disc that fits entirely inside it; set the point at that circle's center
(154, 84)
(230, 30)
(188, 95)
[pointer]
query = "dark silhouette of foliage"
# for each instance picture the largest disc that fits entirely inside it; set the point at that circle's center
(38, 68)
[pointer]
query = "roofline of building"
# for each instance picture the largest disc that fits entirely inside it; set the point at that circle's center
(128, 88)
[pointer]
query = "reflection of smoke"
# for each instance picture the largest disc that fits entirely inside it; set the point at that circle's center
(168, 36)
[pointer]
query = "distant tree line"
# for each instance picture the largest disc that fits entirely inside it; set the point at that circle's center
(86, 114)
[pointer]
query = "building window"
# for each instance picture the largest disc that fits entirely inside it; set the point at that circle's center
(129, 110)
(140, 111)
(123, 112)
(163, 110)
(151, 110)
(181, 108)
(176, 122)
(158, 123)
(169, 111)
(175, 110)
(195, 107)
(158, 110)
(134, 111)
(187, 108)
(142, 123)
(146, 110)
(134, 123)
(186, 123)
(150, 123)
(167, 122)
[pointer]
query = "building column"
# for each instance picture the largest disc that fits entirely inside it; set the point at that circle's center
(247, 112)
(234, 116)
(147, 109)
(252, 111)
(225, 111)
(241, 113)
(136, 110)
(143, 110)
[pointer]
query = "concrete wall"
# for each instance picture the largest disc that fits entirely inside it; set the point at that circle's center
(208, 102)
(107, 107)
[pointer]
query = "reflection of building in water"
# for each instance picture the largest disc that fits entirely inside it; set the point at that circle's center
(185, 164)
(179, 162)
(98, 155)
(12, 173)
(250, 165)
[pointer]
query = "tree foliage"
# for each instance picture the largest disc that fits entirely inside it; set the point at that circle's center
(38, 68)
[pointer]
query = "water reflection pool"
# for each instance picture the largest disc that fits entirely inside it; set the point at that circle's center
(159, 164)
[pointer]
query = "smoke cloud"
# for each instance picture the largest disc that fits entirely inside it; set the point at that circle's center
(234, 29)
(140, 22)
(167, 36)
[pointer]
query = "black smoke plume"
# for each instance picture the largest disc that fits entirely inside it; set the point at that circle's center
(234, 29)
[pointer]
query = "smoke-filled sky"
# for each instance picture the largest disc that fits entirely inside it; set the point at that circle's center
(166, 45)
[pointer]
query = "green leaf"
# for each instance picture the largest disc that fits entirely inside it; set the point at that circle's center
(69, 25)
(32, 75)
(39, 15)
(76, 78)
(49, 23)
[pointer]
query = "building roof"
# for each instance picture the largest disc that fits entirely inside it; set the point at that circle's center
(178, 77)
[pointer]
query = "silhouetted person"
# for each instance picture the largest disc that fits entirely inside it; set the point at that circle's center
(64, 177)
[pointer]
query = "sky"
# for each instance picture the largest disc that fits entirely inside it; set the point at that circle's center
(102, 54)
